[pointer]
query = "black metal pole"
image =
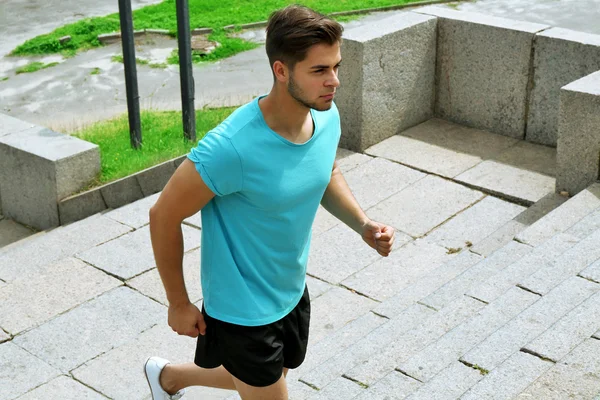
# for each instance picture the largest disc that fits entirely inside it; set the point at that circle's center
(133, 98)
(185, 69)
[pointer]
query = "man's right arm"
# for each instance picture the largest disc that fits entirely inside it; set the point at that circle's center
(184, 195)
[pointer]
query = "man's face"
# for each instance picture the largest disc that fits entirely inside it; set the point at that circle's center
(313, 81)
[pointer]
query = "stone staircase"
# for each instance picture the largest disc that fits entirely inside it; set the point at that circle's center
(522, 322)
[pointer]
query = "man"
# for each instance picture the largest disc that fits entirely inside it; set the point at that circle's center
(258, 178)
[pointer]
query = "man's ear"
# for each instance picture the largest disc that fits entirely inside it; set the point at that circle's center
(280, 71)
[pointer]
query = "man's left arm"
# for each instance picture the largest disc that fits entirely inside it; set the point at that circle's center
(341, 203)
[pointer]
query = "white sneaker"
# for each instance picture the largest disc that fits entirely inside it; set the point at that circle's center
(152, 369)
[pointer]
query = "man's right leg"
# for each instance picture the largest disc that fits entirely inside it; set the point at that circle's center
(178, 376)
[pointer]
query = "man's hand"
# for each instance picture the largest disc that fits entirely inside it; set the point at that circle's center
(378, 236)
(187, 320)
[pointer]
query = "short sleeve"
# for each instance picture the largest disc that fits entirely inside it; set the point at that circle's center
(218, 163)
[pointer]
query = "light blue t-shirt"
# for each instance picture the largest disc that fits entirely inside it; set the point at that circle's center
(256, 231)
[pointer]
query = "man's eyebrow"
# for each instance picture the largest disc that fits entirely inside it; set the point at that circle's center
(323, 66)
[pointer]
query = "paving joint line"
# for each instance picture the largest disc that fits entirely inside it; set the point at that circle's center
(475, 298)
(528, 290)
(359, 383)
(406, 374)
(87, 386)
(380, 315)
(428, 306)
(310, 385)
(538, 355)
(588, 279)
(358, 293)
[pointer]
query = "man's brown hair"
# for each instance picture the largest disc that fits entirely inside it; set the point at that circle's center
(292, 30)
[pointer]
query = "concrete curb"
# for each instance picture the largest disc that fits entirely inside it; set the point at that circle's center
(110, 38)
(118, 193)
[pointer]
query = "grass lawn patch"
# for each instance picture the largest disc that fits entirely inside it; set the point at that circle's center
(4, 79)
(34, 66)
(162, 136)
(213, 14)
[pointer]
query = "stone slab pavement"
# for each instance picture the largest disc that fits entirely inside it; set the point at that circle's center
(77, 319)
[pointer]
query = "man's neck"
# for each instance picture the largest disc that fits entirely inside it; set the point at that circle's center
(286, 116)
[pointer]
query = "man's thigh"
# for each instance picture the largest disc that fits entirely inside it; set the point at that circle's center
(276, 391)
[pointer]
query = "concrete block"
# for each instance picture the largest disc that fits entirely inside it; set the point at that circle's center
(4, 337)
(568, 264)
(122, 192)
(509, 379)
(338, 253)
(150, 284)
(475, 223)
(578, 143)
(482, 72)
(403, 267)
(334, 309)
(592, 272)
(563, 217)
(154, 179)
(424, 205)
(375, 342)
(92, 329)
(80, 206)
(410, 343)
(111, 373)
(561, 57)
(441, 147)
(28, 302)
(479, 273)
(509, 339)
(136, 214)
(378, 179)
(539, 258)
(32, 257)
(20, 371)
(337, 343)
(372, 106)
(132, 254)
(448, 384)
(39, 167)
(10, 125)
(576, 376)
(436, 357)
(571, 330)
(428, 284)
(541, 208)
(62, 387)
(392, 386)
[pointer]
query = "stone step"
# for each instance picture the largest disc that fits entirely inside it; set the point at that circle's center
(563, 217)
(486, 268)
(529, 324)
(449, 348)
(448, 384)
(569, 332)
(574, 377)
(31, 257)
(570, 263)
(508, 231)
(375, 342)
(409, 343)
(429, 283)
(502, 281)
(509, 379)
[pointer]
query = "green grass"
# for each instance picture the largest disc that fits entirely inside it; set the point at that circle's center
(4, 79)
(229, 47)
(34, 66)
(141, 61)
(162, 137)
(95, 71)
(203, 13)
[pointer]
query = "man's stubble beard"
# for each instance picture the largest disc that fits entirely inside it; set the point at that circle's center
(298, 94)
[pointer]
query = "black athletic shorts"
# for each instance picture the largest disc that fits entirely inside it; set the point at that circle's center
(256, 355)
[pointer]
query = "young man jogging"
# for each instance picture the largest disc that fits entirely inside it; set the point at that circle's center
(258, 178)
